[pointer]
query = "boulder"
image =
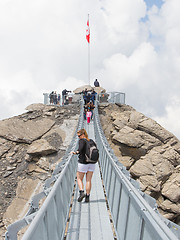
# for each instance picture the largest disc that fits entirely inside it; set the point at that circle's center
(17, 130)
(162, 168)
(134, 118)
(134, 143)
(43, 163)
(151, 183)
(35, 107)
(89, 88)
(171, 189)
(41, 147)
(41, 107)
(153, 128)
(82, 88)
(170, 206)
(34, 168)
(99, 90)
(177, 147)
(127, 161)
(142, 167)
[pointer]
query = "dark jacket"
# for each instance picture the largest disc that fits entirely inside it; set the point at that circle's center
(96, 83)
(82, 151)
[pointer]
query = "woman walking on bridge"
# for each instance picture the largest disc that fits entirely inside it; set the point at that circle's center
(83, 167)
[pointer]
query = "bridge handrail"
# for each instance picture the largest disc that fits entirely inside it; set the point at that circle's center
(133, 216)
(116, 97)
(63, 178)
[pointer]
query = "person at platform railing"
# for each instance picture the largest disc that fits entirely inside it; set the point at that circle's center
(64, 96)
(51, 97)
(83, 166)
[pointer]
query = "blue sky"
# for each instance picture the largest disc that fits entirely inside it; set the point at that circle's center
(150, 3)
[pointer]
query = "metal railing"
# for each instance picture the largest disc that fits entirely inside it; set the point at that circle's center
(49, 221)
(134, 213)
(116, 97)
(111, 97)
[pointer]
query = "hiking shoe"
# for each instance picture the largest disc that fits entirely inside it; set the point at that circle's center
(87, 198)
(81, 196)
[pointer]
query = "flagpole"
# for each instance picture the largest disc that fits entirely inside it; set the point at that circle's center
(88, 41)
(89, 62)
(88, 58)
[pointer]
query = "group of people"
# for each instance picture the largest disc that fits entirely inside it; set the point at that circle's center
(54, 98)
(84, 167)
(89, 99)
(88, 111)
(89, 96)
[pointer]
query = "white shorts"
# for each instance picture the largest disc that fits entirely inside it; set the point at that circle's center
(90, 167)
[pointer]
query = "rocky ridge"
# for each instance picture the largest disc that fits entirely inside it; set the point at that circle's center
(150, 153)
(31, 145)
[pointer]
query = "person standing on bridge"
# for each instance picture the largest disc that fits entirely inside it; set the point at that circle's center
(83, 167)
(88, 115)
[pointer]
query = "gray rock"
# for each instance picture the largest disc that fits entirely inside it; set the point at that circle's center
(4, 146)
(162, 168)
(89, 88)
(136, 142)
(10, 168)
(7, 174)
(153, 128)
(177, 147)
(170, 206)
(135, 118)
(142, 167)
(35, 107)
(151, 183)
(171, 189)
(17, 130)
(41, 147)
(127, 161)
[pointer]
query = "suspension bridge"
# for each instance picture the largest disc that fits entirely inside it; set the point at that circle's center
(117, 208)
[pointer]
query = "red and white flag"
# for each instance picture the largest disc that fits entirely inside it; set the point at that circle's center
(88, 32)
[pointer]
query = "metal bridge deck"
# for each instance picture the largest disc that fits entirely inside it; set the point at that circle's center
(90, 221)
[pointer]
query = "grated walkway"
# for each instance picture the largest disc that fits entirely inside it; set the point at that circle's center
(90, 221)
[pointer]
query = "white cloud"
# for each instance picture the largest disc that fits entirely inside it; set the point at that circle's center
(171, 120)
(133, 49)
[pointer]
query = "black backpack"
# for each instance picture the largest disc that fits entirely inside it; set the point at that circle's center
(92, 153)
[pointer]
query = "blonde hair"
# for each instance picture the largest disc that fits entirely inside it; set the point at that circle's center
(83, 131)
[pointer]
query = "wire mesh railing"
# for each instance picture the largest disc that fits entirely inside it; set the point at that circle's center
(134, 214)
(49, 221)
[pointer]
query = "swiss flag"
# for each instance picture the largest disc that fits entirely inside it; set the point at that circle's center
(88, 32)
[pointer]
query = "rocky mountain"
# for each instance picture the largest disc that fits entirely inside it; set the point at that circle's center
(32, 144)
(150, 153)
